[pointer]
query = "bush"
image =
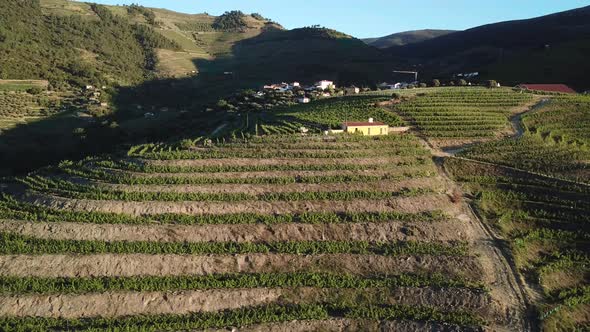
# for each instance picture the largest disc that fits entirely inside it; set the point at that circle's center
(258, 17)
(435, 83)
(492, 84)
(462, 82)
(187, 144)
(35, 90)
(230, 21)
(423, 85)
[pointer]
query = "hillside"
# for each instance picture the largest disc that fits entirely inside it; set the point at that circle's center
(405, 38)
(94, 48)
(543, 50)
(154, 61)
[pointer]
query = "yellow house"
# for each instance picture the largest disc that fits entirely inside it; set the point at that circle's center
(370, 128)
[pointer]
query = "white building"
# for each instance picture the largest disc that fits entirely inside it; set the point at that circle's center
(304, 100)
(323, 85)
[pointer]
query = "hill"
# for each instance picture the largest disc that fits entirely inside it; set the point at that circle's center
(543, 50)
(153, 61)
(97, 47)
(405, 38)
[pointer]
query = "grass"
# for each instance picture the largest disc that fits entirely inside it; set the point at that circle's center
(11, 244)
(556, 142)
(13, 209)
(544, 221)
(37, 285)
(78, 191)
(244, 317)
(21, 85)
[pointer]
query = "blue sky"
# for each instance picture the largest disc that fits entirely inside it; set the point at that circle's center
(373, 18)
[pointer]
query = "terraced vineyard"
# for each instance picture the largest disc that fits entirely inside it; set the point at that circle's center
(555, 142)
(327, 114)
(534, 191)
(452, 117)
(277, 233)
(20, 107)
(545, 221)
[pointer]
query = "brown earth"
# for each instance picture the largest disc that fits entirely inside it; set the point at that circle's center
(424, 203)
(113, 265)
(392, 170)
(261, 189)
(279, 161)
(439, 231)
(118, 304)
(350, 325)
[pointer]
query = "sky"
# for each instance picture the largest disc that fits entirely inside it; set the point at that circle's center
(373, 18)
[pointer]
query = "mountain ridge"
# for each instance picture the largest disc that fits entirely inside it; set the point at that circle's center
(406, 37)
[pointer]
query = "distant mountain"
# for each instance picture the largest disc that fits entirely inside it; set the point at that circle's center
(404, 38)
(549, 49)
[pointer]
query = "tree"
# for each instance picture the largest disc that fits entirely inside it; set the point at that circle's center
(258, 17)
(492, 84)
(222, 104)
(35, 90)
(230, 21)
(435, 83)
(462, 82)
(423, 85)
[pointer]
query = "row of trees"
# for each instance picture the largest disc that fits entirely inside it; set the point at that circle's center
(459, 82)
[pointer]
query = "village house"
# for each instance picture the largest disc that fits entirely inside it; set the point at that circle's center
(303, 100)
(323, 85)
(353, 90)
(391, 86)
(370, 128)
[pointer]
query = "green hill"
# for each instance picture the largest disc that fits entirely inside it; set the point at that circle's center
(95, 47)
(548, 49)
(405, 38)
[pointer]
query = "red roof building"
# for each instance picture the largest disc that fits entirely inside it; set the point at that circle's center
(562, 88)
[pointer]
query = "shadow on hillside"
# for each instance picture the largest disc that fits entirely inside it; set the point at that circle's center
(171, 108)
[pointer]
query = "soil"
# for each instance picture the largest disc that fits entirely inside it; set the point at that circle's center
(439, 231)
(350, 325)
(119, 304)
(418, 204)
(261, 189)
(113, 265)
(279, 161)
(393, 170)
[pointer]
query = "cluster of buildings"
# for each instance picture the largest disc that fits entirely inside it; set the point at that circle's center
(284, 87)
(395, 86)
(323, 88)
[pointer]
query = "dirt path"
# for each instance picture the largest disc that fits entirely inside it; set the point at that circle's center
(119, 304)
(439, 231)
(429, 202)
(496, 258)
(262, 189)
(385, 170)
(113, 265)
(516, 121)
(279, 161)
